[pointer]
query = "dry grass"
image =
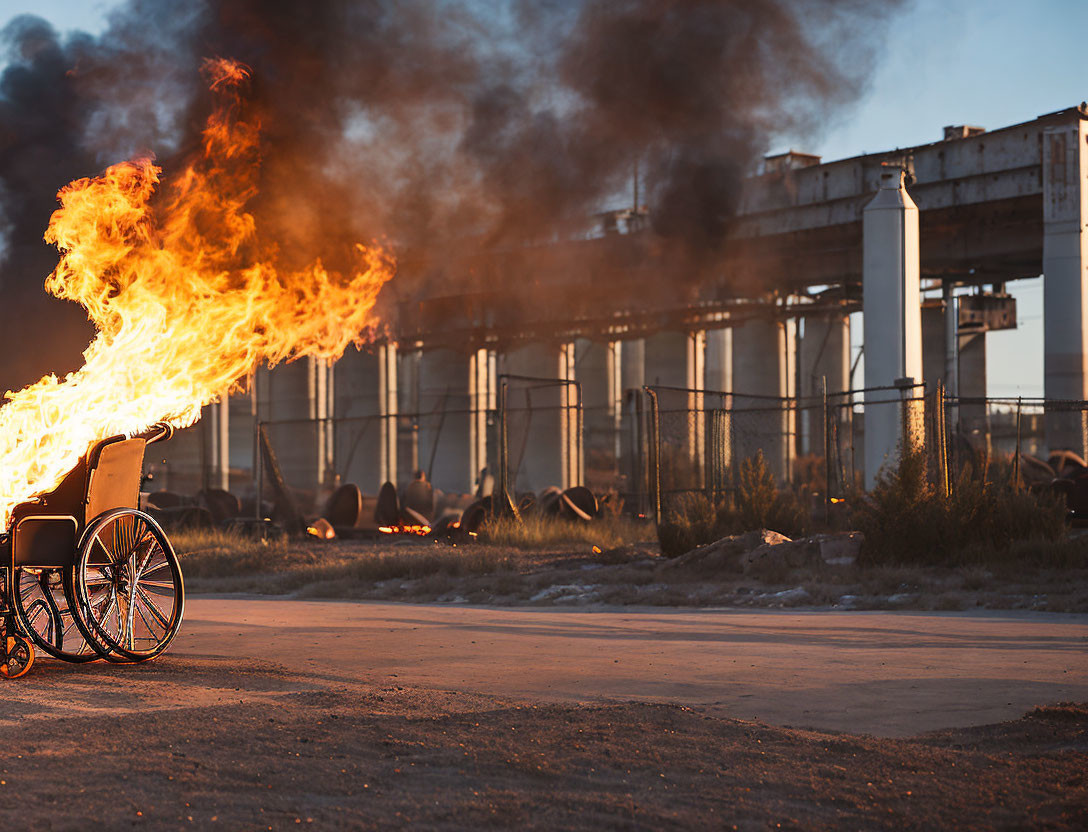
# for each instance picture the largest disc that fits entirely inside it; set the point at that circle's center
(537, 532)
(571, 573)
(222, 561)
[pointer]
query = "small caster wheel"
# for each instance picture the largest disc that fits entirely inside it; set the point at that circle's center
(17, 657)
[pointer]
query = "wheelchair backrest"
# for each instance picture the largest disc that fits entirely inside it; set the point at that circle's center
(45, 533)
(113, 479)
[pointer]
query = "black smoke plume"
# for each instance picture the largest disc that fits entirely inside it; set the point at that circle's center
(441, 126)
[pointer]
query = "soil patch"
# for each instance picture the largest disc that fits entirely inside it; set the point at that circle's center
(381, 756)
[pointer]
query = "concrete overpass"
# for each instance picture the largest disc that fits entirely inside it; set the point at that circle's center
(623, 303)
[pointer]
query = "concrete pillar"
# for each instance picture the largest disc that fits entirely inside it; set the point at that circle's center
(824, 353)
(969, 369)
(934, 345)
(719, 360)
(678, 360)
(241, 439)
(632, 358)
(365, 425)
(892, 320)
(973, 419)
(294, 400)
(484, 368)
(544, 425)
(632, 364)
(216, 421)
(718, 403)
(455, 393)
(597, 370)
(1065, 290)
(408, 443)
(763, 381)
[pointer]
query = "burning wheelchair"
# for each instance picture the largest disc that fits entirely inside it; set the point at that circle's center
(87, 575)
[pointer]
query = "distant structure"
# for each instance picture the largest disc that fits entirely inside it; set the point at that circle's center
(766, 313)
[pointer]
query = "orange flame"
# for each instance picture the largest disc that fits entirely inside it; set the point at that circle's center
(185, 303)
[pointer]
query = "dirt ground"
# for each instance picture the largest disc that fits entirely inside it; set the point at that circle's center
(258, 720)
(260, 747)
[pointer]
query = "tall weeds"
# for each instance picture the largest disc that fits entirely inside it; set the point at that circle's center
(906, 520)
(757, 503)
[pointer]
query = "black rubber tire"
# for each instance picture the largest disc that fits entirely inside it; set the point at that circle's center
(56, 633)
(118, 545)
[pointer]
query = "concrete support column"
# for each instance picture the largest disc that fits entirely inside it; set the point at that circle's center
(365, 425)
(294, 399)
(763, 378)
(678, 360)
(1065, 285)
(216, 421)
(408, 374)
(241, 437)
(598, 371)
(824, 353)
(964, 375)
(892, 320)
(483, 365)
(719, 360)
(935, 346)
(971, 373)
(632, 364)
(632, 359)
(544, 423)
(448, 450)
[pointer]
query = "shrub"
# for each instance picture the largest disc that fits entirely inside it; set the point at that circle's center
(694, 519)
(906, 520)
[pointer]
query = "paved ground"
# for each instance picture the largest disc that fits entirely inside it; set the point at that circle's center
(268, 714)
(885, 673)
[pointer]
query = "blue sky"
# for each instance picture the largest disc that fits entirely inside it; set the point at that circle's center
(986, 62)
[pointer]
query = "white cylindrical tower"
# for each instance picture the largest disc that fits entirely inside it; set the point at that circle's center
(892, 317)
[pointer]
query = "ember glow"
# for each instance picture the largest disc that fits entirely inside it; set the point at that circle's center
(185, 302)
(420, 530)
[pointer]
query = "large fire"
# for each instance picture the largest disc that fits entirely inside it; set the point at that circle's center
(184, 302)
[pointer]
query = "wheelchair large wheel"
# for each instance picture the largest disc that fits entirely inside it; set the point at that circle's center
(16, 653)
(44, 611)
(127, 584)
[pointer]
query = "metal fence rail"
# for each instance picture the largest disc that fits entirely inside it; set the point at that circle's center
(649, 449)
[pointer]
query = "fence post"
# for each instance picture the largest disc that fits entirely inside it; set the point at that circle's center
(655, 455)
(506, 504)
(1016, 459)
(827, 455)
(942, 441)
(258, 469)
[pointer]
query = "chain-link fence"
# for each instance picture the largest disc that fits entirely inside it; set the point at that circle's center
(528, 436)
(697, 442)
(650, 448)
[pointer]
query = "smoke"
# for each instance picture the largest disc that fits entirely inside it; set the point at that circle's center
(445, 127)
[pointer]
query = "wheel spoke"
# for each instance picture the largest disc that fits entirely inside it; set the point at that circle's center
(147, 624)
(109, 607)
(158, 584)
(152, 608)
(153, 569)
